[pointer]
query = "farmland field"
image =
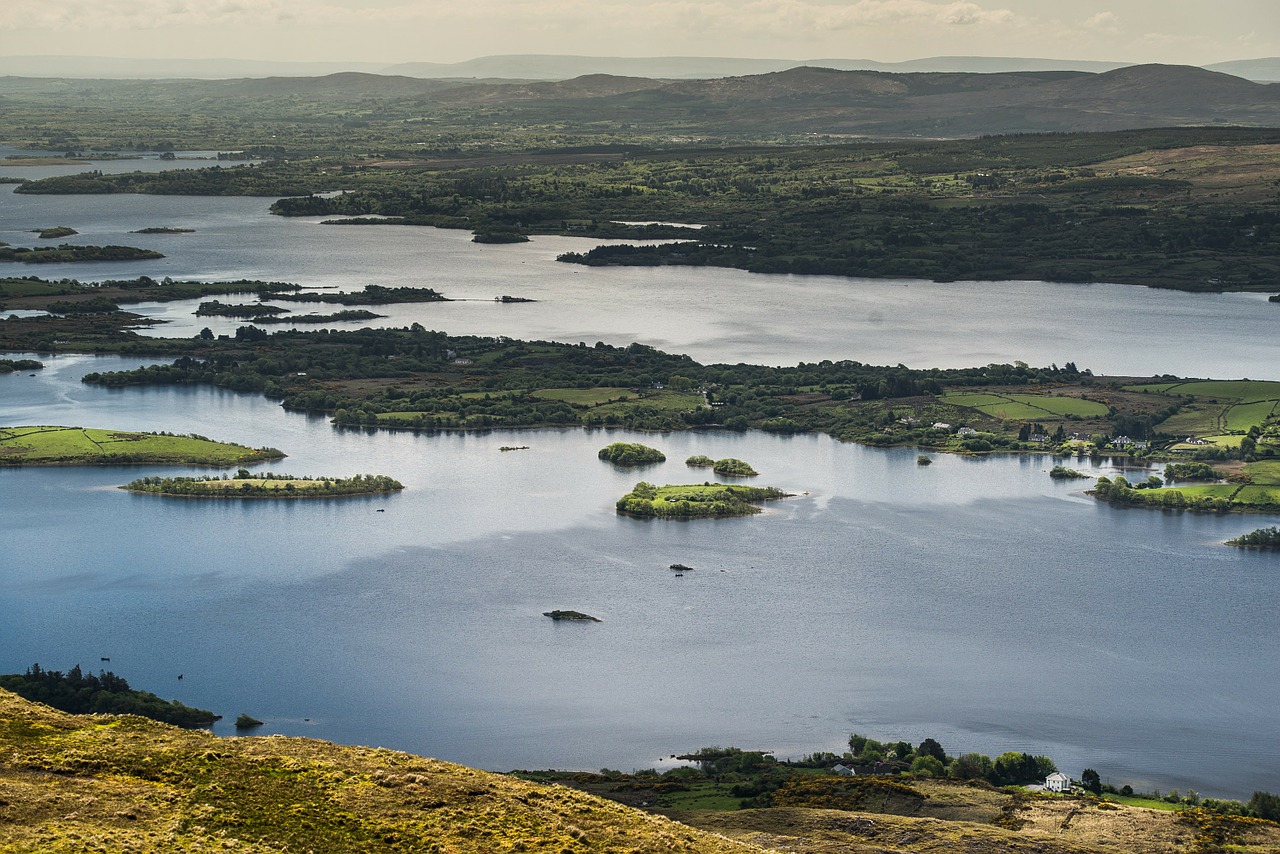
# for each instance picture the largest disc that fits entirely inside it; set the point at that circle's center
(84, 446)
(1026, 407)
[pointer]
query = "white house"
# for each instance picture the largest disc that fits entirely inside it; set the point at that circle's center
(844, 771)
(1057, 782)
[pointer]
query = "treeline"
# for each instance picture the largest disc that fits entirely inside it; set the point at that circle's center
(1120, 491)
(486, 382)
(106, 693)
(8, 366)
(1267, 539)
(370, 295)
(67, 253)
(245, 485)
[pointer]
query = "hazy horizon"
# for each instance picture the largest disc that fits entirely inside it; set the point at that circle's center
(398, 31)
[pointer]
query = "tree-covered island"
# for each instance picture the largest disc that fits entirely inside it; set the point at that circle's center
(83, 693)
(695, 501)
(268, 485)
(630, 454)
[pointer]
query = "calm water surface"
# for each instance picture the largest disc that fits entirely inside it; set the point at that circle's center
(978, 602)
(713, 315)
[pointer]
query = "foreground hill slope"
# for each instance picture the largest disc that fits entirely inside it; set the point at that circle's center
(73, 783)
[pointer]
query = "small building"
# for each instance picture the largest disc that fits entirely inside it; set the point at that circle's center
(844, 771)
(1057, 782)
(941, 425)
(966, 431)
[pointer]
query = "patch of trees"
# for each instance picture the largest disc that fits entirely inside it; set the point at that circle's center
(1263, 538)
(105, 693)
(66, 252)
(217, 308)
(8, 366)
(370, 295)
(631, 454)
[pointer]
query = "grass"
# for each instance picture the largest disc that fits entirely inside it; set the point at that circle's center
(586, 396)
(88, 446)
(1240, 390)
(1242, 416)
(674, 401)
(1026, 407)
(95, 783)
(25, 288)
(690, 501)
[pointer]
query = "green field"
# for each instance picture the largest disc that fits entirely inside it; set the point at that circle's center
(84, 446)
(1026, 407)
(1242, 416)
(586, 396)
(26, 288)
(1241, 390)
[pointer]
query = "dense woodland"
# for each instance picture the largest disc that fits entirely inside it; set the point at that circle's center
(106, 693)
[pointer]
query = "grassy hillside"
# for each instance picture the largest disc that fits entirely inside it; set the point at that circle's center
(89, 783)
(45, 446)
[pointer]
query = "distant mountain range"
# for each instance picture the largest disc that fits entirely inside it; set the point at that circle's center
(802, 100)
(548, 67)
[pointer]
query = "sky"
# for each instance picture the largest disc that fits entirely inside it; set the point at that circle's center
(1192, 32)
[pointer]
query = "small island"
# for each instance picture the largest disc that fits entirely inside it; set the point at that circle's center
(371, 295)
(1263, 539)
(65, 252)
(695, 501)
(335, 317)
(56, 231)
(576, 616)
(217, 308)
(70, 446)
(247, 722)
(163, 230)
(631, 454)
(269, 485)
(8, 366)
(924, 460)
(1064, 473)
(729, 466)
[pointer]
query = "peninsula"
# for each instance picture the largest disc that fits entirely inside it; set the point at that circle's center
(82, 446)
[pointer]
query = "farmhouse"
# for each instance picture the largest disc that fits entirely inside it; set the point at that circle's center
(1057, 782)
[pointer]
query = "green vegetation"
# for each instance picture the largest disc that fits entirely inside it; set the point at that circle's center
(334, 317)
(695, 501)
(371, 295)
(244, 721)
(1063, 473)
(1191, 471)
(56, 231)
(106, 693)
(1025, 407)
(35, 293)
(128, 784)
(65, 253)
(8, 366)
(246, 485)
(631, 454)
(730, 467)
(1267, 539)
(1255, 488)
(924, 460)
(216, 308)
(86, 446)
(572, 616)
(700, 461)
(163, 229)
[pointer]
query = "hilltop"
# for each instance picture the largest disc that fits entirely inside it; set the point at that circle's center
(86, 783)
(103, 783)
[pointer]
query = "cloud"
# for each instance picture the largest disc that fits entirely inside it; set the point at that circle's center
(1104, 21)
(741, 15)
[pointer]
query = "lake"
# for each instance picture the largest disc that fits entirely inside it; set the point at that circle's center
(974, 601)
